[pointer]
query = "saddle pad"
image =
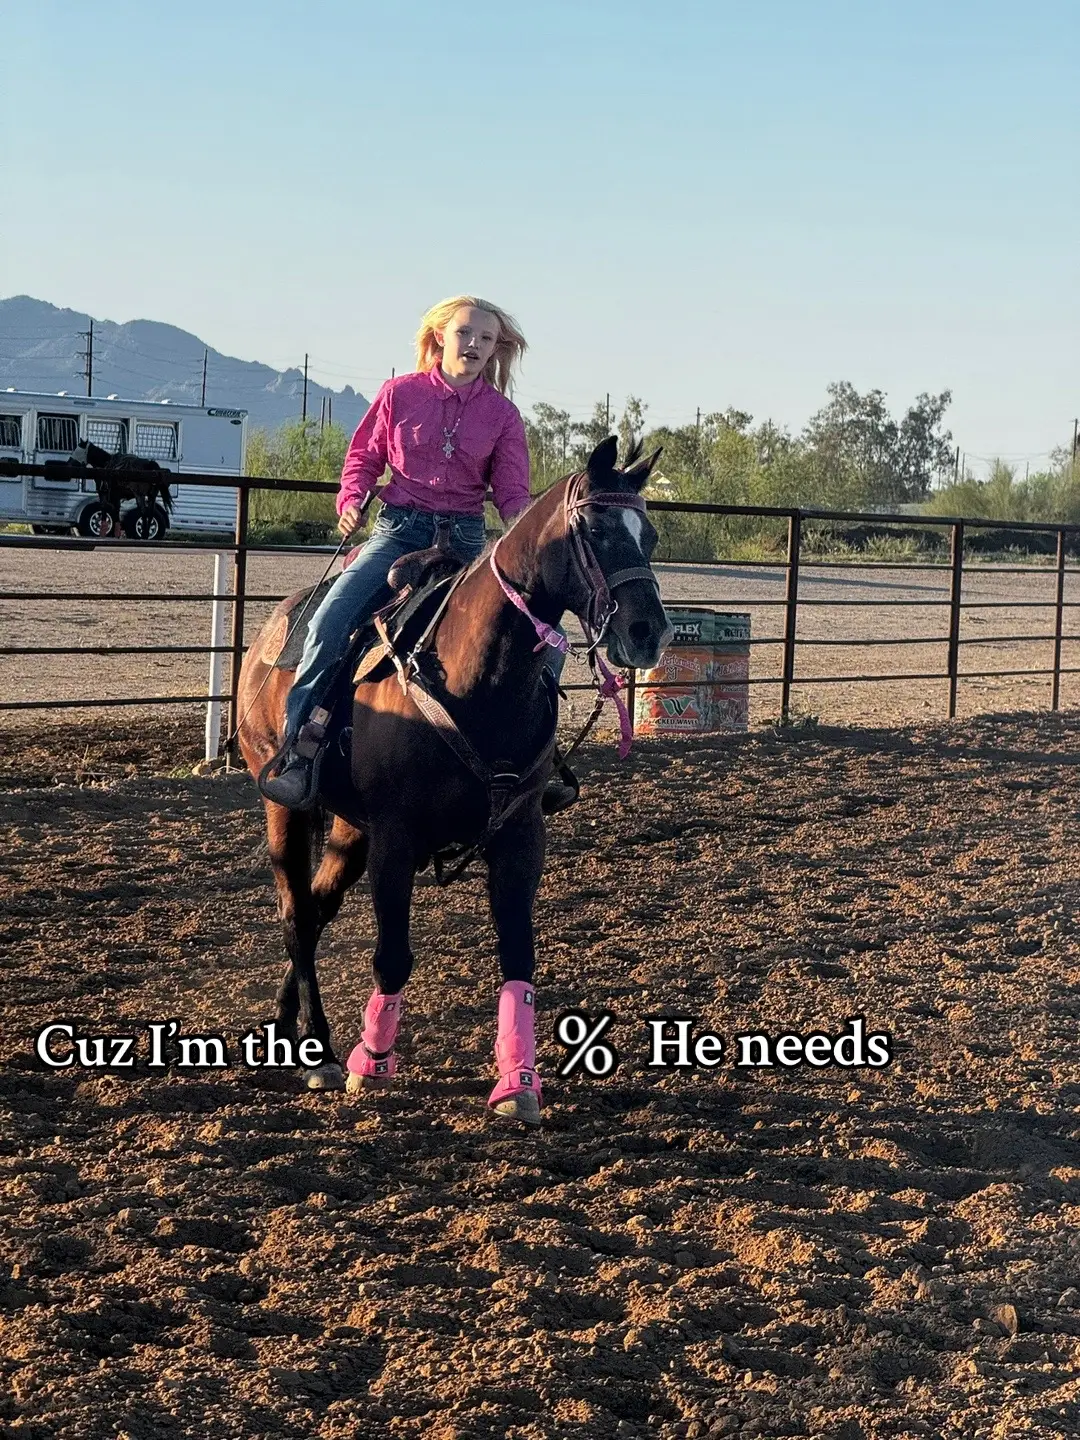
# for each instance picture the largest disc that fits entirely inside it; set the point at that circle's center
(285, 642)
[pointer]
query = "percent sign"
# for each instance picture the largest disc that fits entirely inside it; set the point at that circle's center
(573, 1032)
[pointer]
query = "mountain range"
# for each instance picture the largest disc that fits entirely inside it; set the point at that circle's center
(41, 348)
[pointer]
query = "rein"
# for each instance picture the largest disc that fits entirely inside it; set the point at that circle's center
(600, 604)
(506, 789)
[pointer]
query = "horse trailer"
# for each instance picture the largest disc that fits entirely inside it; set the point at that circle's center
(192, 439)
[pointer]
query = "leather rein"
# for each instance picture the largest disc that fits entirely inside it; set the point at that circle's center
(506, 788)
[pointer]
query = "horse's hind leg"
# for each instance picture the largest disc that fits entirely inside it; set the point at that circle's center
(343, 862)
(300, 1012)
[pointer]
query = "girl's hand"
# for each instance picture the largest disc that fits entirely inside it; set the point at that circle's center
(350, 520)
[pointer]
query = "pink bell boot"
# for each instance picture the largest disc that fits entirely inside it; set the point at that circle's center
(374, 1059)
(517, 1095)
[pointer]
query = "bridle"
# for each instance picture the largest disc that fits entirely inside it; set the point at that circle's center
(507, 790)
(600, 604)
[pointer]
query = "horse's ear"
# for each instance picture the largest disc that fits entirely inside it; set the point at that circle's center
(601, 464)
(638, 474)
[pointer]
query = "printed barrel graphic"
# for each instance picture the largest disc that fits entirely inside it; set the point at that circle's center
(699, 686)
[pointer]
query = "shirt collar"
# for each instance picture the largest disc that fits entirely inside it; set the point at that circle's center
(463, 392)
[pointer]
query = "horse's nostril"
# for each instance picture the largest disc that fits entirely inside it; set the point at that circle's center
(640, 632)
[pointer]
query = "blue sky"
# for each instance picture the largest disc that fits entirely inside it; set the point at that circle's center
(703, 204)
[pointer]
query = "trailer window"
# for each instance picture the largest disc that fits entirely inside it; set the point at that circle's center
(111, 435)
(57, 432)
(11, 432)
(155, 442)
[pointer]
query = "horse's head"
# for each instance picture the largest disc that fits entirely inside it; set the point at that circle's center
(610, 544)
(91, 455)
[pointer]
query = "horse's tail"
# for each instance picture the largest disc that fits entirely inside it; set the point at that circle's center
(166, 499)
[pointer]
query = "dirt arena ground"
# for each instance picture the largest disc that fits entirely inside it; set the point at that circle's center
(840, 1253)
(915, 630)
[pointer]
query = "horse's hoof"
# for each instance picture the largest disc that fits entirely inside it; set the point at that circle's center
(524, 1107)
(355, 1084)
(326, 1077)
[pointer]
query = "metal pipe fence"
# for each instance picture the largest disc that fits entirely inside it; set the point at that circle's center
(792, 566)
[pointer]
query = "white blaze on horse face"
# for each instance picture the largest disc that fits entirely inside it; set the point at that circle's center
(634, 523)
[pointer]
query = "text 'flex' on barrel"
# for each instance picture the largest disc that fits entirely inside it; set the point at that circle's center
(699, 685)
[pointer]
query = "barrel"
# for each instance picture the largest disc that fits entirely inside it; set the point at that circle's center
(700, 684)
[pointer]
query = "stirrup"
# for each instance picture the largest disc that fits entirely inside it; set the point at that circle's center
(279, 779)
(562, 792)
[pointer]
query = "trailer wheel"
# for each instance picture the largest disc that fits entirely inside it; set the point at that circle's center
(97, 521)
(138, 525)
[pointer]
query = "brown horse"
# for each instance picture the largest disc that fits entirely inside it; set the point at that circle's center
(467, 744)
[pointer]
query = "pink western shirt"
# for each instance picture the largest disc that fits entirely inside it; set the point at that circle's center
(405, 429)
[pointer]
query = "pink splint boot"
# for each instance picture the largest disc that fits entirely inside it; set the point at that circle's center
(373, 1063)
(517, 1095)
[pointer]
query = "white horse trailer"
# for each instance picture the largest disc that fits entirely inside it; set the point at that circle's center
(192, 439)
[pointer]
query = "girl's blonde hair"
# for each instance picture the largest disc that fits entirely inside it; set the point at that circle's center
(509, 347)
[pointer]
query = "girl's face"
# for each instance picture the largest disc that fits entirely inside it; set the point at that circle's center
(468, 343)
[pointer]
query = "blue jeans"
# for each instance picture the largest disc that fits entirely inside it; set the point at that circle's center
(362, 589)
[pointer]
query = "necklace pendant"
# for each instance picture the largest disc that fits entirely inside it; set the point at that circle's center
(448, 444)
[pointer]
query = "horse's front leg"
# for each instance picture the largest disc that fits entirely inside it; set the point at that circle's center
(515, 859)
(392, 871)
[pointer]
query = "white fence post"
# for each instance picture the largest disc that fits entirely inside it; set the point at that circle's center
(217, 639)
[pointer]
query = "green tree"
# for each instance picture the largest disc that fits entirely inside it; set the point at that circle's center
(547, 431)
(892, 462)
(587, 434)
(1051, 495)
(632, 424)
(300, 450)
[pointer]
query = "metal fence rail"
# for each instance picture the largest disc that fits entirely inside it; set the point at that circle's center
(237, 596)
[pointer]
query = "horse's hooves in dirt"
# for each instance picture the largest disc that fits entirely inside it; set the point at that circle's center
(356, 1084)
(326, 1077)
(524, 1107)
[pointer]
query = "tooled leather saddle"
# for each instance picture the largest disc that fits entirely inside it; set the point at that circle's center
(418, 580)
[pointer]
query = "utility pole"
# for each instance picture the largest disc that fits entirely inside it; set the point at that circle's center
(607, 413)
(322, 413)
(1076, 438)
(303, 414)
(330, 408)
(202, 401)
(88, 357)
(956, 467)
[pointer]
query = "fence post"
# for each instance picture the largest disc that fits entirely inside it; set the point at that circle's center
(217, 667)
(954, 612)
(239, 590)
(631, 695)
(791, 611)
(1060, 605)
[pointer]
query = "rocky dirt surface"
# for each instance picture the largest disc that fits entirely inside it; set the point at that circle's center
(830, 1252)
